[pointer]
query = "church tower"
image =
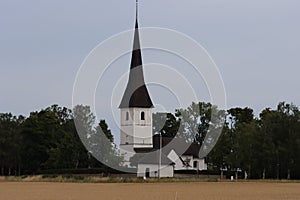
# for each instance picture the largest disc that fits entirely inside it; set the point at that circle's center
(136, 105)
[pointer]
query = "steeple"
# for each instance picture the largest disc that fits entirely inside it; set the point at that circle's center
(136, 94)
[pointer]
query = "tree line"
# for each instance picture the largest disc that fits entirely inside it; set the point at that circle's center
(264, 146)
(46, 140)
(267, 146)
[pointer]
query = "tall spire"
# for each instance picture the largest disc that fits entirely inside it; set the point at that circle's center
(136, 52)
(136, 93)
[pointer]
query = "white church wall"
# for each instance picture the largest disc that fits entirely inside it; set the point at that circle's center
(141, 140)
(142, 128)
(126, 135)
(182, 166)
(201, 165)
(165, 172)
(135, 132)
(175, 159)
(173, 156)
(137, 116)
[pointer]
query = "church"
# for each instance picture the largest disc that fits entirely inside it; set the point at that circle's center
(161, 156)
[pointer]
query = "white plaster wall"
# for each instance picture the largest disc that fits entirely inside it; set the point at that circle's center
(126, 138)
(173, 156)
(137, 116)
(126, 132)
(134, 130)
(142, 128)
(135, 133)
(166, 170)
(142, 135)
(178, 163)
(201, 164)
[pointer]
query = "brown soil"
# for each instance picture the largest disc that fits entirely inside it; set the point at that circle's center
(147, 191)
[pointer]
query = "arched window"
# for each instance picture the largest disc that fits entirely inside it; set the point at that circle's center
(143, 115)
(127, 115)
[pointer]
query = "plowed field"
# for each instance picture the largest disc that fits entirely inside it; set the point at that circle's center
(150, 191)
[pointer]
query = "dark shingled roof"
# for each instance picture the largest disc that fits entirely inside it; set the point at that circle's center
(136, 93)
(153, 158)
(179, 145)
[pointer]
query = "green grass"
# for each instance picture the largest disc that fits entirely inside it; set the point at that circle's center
(70, 178)
(94, 179)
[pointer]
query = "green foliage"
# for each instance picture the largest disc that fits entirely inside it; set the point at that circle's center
(98, 141)
(45, 140)
(48, 141)
(264, 147)
(10, 143)
(104, 127)
(165, 124)
(267, 147)
(198, 120)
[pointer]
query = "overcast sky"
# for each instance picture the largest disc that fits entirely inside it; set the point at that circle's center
(255, 44)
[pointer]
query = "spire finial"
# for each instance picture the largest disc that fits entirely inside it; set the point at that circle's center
(137, 9)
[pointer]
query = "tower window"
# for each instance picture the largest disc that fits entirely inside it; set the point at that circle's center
(143, 115)
(127, 116)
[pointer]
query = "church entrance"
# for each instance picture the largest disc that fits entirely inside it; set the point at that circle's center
(147, 172)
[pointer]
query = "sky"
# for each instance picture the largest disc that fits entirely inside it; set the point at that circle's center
(255, 45)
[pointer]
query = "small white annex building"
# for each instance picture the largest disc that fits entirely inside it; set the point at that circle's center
(176, 155)
(136, 134)
(185, 156)
(155, 165)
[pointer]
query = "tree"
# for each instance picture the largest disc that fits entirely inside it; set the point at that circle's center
(68, 151)
(194, 121)
(39, 134)
(55, 137)
(282, 125)
(242, 126)
(238, 116)
(84, 122)
(165, 124)
(201, 123)
(103, 147)
(10, 143)
(106, 131)
(217, 159)
(97, 140)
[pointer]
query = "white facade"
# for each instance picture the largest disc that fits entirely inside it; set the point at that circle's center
(166, 171)
(191, 162)
(136, 130)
